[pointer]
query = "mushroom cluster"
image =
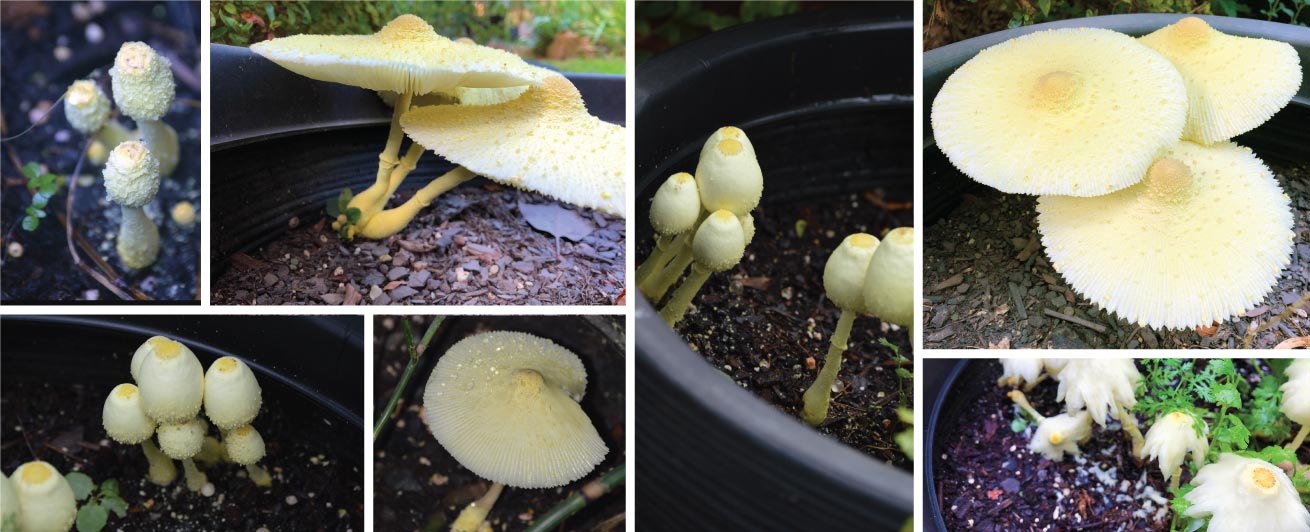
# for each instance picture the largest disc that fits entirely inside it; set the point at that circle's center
(494, 116)
(1092, 391)
(36, 499)
(703, 221)
(171, 387)
(1046, 114)
(862, 276)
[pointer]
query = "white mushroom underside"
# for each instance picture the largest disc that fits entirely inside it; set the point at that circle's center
(393, 76)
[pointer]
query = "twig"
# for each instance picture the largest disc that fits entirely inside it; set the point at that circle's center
(415, 355)
(72, 193)
(591, 491)
(108, 278)
(40, 120)
(1250, 334)
(1074, 319)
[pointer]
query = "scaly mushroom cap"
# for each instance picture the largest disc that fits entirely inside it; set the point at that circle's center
(131, 175)
(676, 206)
(1234, 84)
(1057, 435)
(8, 505)
(123, 418)
(1075, 112)
(45, 500)
(171, 382)
(144, 349)
(1202, 238)
(232, 395)
(142, 81)
(244, 445)
(1296, 392)
(719, 242)
(889, 285)
(1017, 371)
(544, 141)
(505, 405)
(86, 106)
(182, 440)
(748, 227)
(728, 173)
(1171, 438)
(1238, 493)
(1054, 366)
(1102, 386)
(406, 55)
(843, 274)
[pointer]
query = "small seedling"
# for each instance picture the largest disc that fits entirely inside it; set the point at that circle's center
(342, 214)
(43, 186)
(97, 501)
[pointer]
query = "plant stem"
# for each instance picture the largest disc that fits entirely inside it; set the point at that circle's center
(570, 505)
(660, 283)
(676, 308)
(1300, 438)
(657, 259)
(816, 398)
(415, 355)
(370, 201)
(392, 221)
(471, 517)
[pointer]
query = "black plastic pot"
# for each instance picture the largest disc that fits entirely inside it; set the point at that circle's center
(826, 99)
(1284, 138)
(282, 144)
(952, 385)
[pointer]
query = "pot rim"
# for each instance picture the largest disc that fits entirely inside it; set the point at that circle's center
(929, 439)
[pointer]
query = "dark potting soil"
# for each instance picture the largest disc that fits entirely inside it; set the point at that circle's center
(61, 424)
(36, 36)
(419, 486)
(767, 324)
(472, 246)
(987, 283)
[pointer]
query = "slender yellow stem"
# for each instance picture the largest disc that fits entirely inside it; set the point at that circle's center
(162, 471)
(195, 480)
(1022, 400)
(815, 402)
(406, 165)
(676, 308)
(386, 160)
(391, 221)
(657, 259)
(1300, 438)
(471, 518)
(658, 285)
(1130, 426)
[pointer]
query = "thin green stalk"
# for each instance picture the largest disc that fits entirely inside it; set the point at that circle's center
(676, 308)
(657, 259)
(816, 399)
(415, 355)
(570, 505)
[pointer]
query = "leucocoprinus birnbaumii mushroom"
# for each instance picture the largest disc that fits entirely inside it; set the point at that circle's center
(45, 500)
(1241, 494)
(1233, 83)
(132, 180)
(87, 109)
(1055, 435)
(1104, 386)
(232, 395)
(246, 447)
(717, 246)
(1202, 238)
(674, 211)
(143, 89)
(889, 284)
(1296, 399)
(1015, 372)
(505, 405)
(181, 441)
(407, 57)
(1046, 113)
(125, 422)
(171, 381)
(8, 505)
(1169, 440)
(843, 283)
(544, 140)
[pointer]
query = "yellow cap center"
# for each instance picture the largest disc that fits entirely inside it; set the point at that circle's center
(1167, 179)
(863, 240)
(1263, 478)
(164, 348)
(527, 383)
(126, 391)
(134, 57)
(128, 154)
(1056, 438)
(407, 29)
(226, 364)
(730, 132)
(901, 235)
(729, 147)
(1055, 90)
(1192, 30)
(242, 431)
(682, 177)
(81, 93)
(37, 473)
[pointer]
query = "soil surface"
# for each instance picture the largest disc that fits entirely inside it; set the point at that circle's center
(419, 486)
(46, 48)
(987, 284)
(767, 324)
(472, 246)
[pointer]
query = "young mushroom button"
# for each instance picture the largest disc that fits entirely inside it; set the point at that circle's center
(889, 283)
(171, 382)
(245, 446)
(45, 500)
(728, 173)
(86, 106)
(1240, 494)
(1296, 399)
(181, 441)
(132, 180)
(718, 245)
(843, 283)
(126, 422)
(143, 89)
(232, 395)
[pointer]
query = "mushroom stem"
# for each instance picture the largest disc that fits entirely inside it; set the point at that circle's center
(1300, 438)
(407, 164)
(676, 308)
(195, 479)
(391, 221)
(1022, 400)
(161, 140)
(657, 259)
(162, 470)
(138, 238)
(471, 518)
(386, 160)
(1130, 426)
(815, 400)
(259, 475)
(659, 285)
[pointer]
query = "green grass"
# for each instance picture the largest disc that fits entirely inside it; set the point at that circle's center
(598, 65)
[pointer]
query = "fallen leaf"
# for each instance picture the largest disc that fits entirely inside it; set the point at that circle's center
(1293, 343)
(1003, 344)
(1209, 331)
(557, 220)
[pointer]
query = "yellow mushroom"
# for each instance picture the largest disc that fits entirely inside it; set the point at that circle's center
(1169, 440)
(143, 89)
(1238, 493)
(889, 283)
(245, 446)
(126, 422)
(132, 180)
(45, 500)
(843, 283)
(717, 246)
(1296, 399)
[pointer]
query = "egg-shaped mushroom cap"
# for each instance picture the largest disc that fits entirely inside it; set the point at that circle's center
(1202, 238)
(889, 284)
(748, 227)
(182, 440)
(676, 205)
(1296, 392)
(131, 174)
(142, 81)
(144, 349)
(543, 140)
(843, 274)
(728, 173)
(244, 445)
(1074, 112)
(1239, 493)
(504, 404)
(171, 382)
(1234, 83)
(1057, 435)
(1171, 437)
(123, 418)
(45, 500)
(406, 55)
(86, 106)
(232, 394)
(719, 242)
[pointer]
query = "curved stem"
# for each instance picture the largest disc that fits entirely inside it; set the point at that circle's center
(162, 471)
(591, 491)
(1022, 400)
(657, 259)
(398, 174)
(386, 160)
(1130, 426)
(391, 221)
(816, 399)
(676, 308)
(471, 518)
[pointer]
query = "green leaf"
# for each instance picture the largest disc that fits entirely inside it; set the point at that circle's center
(40, 214)
(30, 223)
(268, 8)
(39, 201)
(109, 488)
(904, 373)
(82, 485)
(333, 208)
(343, 200)
(91, 518)
(1019, 424)
(32, 170)
(352, 215)
(230, 8)
(896, 350)
(1044, 6)
(116, 505)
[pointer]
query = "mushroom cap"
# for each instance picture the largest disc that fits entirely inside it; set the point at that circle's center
(1234, 83)
(1076, 112)
(543, 140)
(728, 173)
(86, 106)
(144, 349)
(123, 418)
(182, 440)
(142, 81)
(1171, 438)
(504, 404)
(45, 500)
(232, 395)
(1057, 435)
(1296, 392)
(244, 445)
(8, 504)
(1017, 371)
(1238, 493)
(1226, 222)
(171, 382)
(843, 274)
(748, 227)
(1102, 386)
(719, 242)
(406, 55)
(889, 285)
(131, 174)
(676, 206)
(1054, 366)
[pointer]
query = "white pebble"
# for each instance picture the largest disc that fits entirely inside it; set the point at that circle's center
(208, 489)
(291, 500)
(62, 53)
(94, 34)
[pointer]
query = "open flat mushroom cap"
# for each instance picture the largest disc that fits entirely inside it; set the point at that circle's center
(1239, 493)
(406, 55)
(1074, 112)
(1234, 83)
(543, 140)
(1202, 238)
(1296, 392)
(123, 418)
(45, 500)
(505, 405)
